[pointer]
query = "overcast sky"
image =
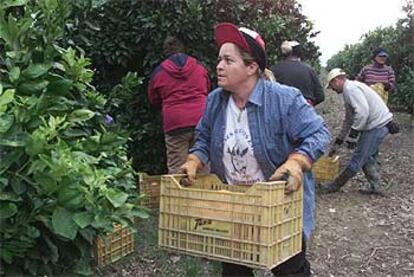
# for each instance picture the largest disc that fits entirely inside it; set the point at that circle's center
(343, 22)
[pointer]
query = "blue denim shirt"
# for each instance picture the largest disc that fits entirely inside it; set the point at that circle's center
(280, 123)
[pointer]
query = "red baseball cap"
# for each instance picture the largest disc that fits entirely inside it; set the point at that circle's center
(247, 39)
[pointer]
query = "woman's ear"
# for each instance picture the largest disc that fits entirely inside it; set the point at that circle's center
(253, 68)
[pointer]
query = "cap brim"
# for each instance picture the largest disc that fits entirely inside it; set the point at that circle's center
(382, 53)
(227, 32)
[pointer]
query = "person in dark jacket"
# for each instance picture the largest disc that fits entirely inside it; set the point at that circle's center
(293, 72)
(179, 87)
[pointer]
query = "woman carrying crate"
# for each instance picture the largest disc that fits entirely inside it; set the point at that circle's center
(255, 130)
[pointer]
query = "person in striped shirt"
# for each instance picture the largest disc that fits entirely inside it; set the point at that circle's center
(379, 75)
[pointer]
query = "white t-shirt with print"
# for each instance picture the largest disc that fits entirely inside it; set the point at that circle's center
(241, 166)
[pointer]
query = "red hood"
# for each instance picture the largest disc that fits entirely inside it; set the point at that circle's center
(179, 66)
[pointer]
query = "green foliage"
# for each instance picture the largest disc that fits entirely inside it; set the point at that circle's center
(405, 95)
(138, 121)
(399, 42)
(124, 36)
(64, 175)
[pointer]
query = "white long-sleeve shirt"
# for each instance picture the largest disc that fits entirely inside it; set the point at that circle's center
(365, 110)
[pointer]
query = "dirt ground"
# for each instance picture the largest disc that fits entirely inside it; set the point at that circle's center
(360, 235)
(355, 235)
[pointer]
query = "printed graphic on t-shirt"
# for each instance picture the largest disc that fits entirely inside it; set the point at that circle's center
(240, 164)
(237, 153)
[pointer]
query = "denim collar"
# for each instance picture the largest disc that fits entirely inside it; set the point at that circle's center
(255, 98)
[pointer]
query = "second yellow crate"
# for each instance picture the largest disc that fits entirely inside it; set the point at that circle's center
(114, 245)
(257, 226)
(325, 169)
(150, 186)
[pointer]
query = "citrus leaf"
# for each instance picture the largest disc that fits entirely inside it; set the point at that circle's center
(32, 86)
(14, 74)
(139, 213)
(6, 98)
(63, 223)
(6, 122)
(117, 198)
(47, 183)
(70, 198)
(59, 86)
(34, 71)
(12, 143)
(7, 210)
(14, 140)
(83, 219)
(81, 115)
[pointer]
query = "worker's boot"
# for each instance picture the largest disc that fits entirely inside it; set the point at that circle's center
(374, 180)
(336, 184)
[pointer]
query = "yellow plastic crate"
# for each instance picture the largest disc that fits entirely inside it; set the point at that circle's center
(380, 90)
(325, 169)
(114, 245)
(257, 226)
(150, 186)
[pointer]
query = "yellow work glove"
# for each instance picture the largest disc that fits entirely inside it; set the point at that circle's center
(190, 168)
(293, 169)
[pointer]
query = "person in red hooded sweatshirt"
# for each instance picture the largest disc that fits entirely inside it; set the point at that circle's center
(179, 87)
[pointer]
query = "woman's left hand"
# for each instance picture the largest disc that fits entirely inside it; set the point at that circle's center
(291, 172)
(293, 168)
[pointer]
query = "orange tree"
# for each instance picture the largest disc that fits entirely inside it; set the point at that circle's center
(64, 173)
(127, 35)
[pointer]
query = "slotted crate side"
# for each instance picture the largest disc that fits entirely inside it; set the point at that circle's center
(212, 182)
(240, 251)
(260, 228)
(221, 205)
(325, 169)
(150, 186)
(115, 245)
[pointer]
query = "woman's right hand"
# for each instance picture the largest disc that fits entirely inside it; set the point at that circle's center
(190, 167)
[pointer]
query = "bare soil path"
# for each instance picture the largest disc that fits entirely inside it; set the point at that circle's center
(360, 235)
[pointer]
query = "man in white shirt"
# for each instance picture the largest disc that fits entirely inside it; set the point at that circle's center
(367, 117)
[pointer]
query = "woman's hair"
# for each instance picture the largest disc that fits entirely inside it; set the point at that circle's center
(246, 57)
(268, 75)
(248, 60)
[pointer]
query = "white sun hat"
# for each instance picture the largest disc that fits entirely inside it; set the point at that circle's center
(287, 46)
(333, 74)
